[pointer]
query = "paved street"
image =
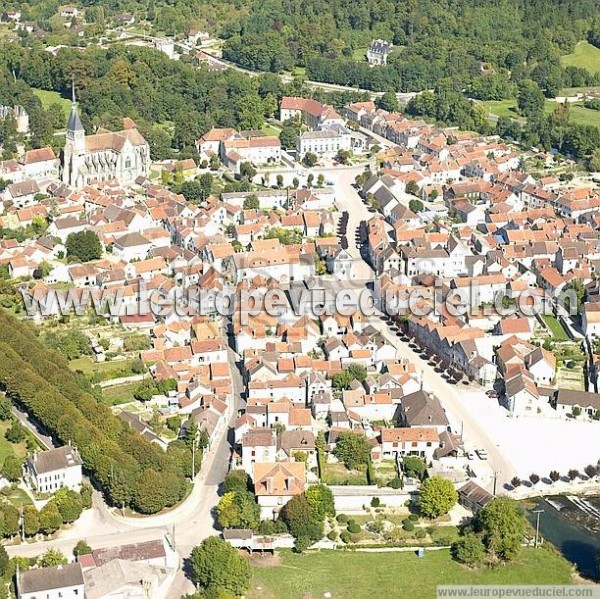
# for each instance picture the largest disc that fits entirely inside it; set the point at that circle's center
(186, 525)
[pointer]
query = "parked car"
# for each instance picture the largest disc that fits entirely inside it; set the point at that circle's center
(482, 453)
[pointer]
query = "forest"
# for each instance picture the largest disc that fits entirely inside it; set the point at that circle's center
(128, 468)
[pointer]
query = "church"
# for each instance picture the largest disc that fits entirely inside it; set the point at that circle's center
(122, 156)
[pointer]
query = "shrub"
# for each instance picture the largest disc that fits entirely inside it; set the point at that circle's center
(420, 534)
(395, 483)
(353, 528)
(333, 535)
(375, 502)
(408, 525)
(342, 518)
(414, 517)
(345, 537)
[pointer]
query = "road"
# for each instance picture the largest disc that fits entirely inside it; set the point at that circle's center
(187, 524)
(463, 416)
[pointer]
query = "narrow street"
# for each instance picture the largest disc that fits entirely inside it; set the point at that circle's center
(186, 525)
(460, 413)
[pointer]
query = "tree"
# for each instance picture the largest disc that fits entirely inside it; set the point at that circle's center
(295, 183)
(69, 504)
(247, 171)
(534, 478)
(50, 518)
(150, 493)
(297, 515)
(52, 558)
(320, 180)
(238, 509)
(82, 548)
(591, 471)
(412, 188)
(414, 466)
(236, 480)
(352, 449)
(310, 159)
(279, 180)
(11, 520)
(574, 294)
(416, 206)
(145, 390)
(4, 560)
(503, 526)
(31, 522)
(388, 101)
(84, 246)
(288, 137)
(437, 496)
(515, 482)
(12, 469)
(468, 550)
(554, 475)
(5, 409)
(15, 433)
(217, 566)
(530, 99)
(321, 502)
(573, 474)
(251, 202)
(343, 156)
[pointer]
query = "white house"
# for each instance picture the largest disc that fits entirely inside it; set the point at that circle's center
(50, 470)
(60, 582)
(259, 445)
(131, 246)
(421, 442)
(324, 142)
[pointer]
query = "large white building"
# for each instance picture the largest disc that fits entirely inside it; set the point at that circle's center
(378, 52)
(325, 142)
(51, 470)
(60, 582)
(123, 156)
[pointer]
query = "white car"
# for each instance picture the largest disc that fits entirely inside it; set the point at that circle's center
(470, 455)
(482, 453)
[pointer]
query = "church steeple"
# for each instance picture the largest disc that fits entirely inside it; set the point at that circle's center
(74, 125)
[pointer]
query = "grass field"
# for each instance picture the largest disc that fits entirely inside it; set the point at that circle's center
(106, 370)
(393, 575)
(585, 56)
(557, 330)
(270, 130)
(578, 114)
(360, 54)
(119, 394)
(48, 98)
(338, 474)
(7, 448)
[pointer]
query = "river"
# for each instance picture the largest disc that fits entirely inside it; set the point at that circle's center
(578, 544)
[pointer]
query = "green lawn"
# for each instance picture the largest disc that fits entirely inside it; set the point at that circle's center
(106, 370)
(7, 448)
(349, 575)
(119, 394)
(585, 56)
(18, 497)
(578, 114)
(270, 130)
(360, 54)
(338, 474)
(48, 98)
(557, 330)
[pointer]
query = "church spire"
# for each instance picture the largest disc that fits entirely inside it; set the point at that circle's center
(74, 123)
